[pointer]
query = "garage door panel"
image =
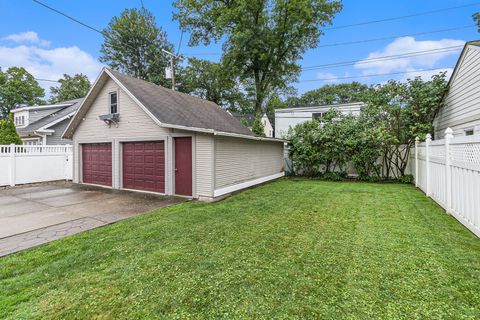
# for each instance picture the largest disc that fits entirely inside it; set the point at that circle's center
(97, 163)
(144, 166)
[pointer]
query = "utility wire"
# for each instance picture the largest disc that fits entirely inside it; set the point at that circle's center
(401, 17)
(46, 80)
(373, 75)
(383, 58)
(393, 37)
(69, 17)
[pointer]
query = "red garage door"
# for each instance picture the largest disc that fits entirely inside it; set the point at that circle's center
(144, 166)
(97, 163)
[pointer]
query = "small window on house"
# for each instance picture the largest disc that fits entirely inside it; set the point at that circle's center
(113, 102)
(317, 115)
(469, 132)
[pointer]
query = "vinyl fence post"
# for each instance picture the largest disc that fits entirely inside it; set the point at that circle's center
(416, 161)
(12, 165)
(427, 156)
(448, 169)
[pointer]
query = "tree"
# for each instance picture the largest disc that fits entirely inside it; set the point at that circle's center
(133, 44)
(70, 88)
(8, 132)
(18, 87)
(332, 94)
(401, 112)
(209, 81)
(257, 127)
(263, 39)
(476, 18)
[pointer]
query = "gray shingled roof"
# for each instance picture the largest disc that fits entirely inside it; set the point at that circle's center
(249, 117)
(176, 108)
(53, 116)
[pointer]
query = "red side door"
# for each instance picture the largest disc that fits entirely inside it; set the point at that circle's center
(97, 163)
(183, 166)
(144, 166)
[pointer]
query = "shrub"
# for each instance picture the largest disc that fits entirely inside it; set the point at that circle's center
(334, 176)
(408, 179)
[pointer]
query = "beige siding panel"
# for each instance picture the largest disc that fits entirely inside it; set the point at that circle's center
(204, 165)
(461, 110)
(240, 160)
(134, 123)
(133, 120)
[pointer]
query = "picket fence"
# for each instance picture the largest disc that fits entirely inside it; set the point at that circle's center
(448, 171)
(30, 164)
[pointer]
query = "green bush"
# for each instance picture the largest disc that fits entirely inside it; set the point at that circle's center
(8, 132)
(334, 176)
(408, 179)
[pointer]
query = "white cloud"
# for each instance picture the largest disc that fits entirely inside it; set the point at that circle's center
(405, 45)
(426, 75)
(330, 78)
(27, 37)
(50, 63)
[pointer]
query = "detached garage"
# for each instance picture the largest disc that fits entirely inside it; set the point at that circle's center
(132, 134)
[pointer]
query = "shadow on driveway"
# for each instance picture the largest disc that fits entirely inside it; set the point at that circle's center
(33, 215)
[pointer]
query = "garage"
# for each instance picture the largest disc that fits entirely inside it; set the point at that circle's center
(144, 166)
(97, 163)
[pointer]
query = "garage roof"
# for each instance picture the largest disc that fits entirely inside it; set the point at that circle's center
(170, 108)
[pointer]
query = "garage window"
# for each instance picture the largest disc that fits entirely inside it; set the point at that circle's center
(113, 102)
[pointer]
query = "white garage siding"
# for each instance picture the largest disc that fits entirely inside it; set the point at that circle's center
(204, 165)
(461, 109)
(134, 123)
(241, 160)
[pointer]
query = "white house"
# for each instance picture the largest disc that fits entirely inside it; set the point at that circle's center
(286, 118)
(44, 125)
(135, 135)
(461, 109)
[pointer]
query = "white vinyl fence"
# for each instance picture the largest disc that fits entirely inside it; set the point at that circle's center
(29, 164)
(448, 171)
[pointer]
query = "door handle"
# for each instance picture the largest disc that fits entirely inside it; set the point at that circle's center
(176, 169)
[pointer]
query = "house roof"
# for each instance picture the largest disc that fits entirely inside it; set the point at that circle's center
(167, 107)
(67, 108)
(249, 117)
(327, 106)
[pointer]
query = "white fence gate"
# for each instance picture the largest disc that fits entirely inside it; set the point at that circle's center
(448, 171)
(28, 164)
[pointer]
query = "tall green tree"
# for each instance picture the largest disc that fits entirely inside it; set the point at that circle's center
(209, 81)
(8, 132)
(332, 94)
(133, 45)
(70, 88)
(263, 39)
(18, 87)
(476, 18)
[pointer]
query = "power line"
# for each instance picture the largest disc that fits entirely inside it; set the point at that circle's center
(393, 37)
(373, 75)
(69, 17)
(401, 17)
(382, 58)
(46, 80)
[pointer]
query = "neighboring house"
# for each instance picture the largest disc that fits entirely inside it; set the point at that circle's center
(290, 117)
(44, 125)
(132, 134)
(461, 109)
(250, 118)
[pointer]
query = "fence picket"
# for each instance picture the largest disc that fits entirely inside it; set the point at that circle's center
(448, 171)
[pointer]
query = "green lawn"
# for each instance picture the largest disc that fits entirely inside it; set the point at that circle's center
(293, 248)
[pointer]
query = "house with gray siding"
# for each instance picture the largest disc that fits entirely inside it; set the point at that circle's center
(461, 104)
(44, 125)
(135, 135)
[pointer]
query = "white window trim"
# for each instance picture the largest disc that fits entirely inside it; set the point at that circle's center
(110, 101)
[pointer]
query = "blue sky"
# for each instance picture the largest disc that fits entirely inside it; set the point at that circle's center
(49, 45)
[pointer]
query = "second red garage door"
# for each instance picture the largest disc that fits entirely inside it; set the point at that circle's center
(97, 163)
(144, 166)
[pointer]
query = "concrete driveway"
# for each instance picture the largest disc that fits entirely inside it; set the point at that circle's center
(30, 216)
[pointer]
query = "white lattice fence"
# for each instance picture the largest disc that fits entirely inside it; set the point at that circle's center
(448, 171)
(30, 164)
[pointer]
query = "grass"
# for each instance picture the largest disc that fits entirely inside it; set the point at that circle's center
(289, 249)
